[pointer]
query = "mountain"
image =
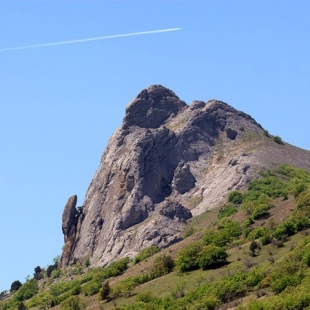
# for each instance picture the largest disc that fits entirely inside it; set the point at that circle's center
(168, 162)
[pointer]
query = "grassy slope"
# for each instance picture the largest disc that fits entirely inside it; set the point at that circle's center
(239, 261)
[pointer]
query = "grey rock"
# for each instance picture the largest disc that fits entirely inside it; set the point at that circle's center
(166, 163)
(69, 216)
(175, 210)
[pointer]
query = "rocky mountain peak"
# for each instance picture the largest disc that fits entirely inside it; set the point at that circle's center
(167, 163)
(152, 107)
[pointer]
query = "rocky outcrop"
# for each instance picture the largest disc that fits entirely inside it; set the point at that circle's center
(69, 225)
(166, 163)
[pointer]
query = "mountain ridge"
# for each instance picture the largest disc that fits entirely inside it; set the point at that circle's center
(166, 163)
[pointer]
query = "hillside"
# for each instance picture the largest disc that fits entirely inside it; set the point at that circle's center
(192, 207)
(259, 259)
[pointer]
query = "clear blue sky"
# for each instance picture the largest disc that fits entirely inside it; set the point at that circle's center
(60, 104)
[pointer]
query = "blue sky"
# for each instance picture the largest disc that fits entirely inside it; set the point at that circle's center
(60, 104)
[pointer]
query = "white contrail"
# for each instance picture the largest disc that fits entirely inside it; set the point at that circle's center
(90, 39)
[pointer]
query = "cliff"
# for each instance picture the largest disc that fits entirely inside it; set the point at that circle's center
(166, 163)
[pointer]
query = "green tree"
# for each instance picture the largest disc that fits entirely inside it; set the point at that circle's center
(212, 256)
(105, 291)
(15, 286)
(38, 273)
(124, 288)
(162, 265)
(188, 257)
(235, 197)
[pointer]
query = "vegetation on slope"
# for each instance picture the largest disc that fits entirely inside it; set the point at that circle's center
(256, 255)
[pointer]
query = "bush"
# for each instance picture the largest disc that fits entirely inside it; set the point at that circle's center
(145, 297)
(145, 253)
(265, 238)
(260, 211)
(162, 265)
(27, 290)
(91, 288)
(15, 286)
(254, 248)
(277, 139)
(188, 257)
(124, 288)
(218, 238)
(232, 228)
(189, 231)
(72, 303)
(116, 268)
(306, 256)
(42, 300)
(227, 210)
(50, 269)
(288, 272)
(38, 273)
(285, 230)
(303, 200)
(266, 133)
(211, 257)
(235, 197)
(105, 291)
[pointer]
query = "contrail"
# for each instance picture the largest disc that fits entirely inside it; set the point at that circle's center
(90, 39)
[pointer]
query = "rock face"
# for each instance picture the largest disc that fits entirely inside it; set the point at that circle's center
(166, 163)
(69, 223)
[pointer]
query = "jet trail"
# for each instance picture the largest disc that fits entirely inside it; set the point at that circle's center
(90, 39)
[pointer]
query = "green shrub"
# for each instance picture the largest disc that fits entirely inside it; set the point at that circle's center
(72, 303)
(50, 269)
(227, 210)
(267, 187)
(56, 273)
(124, 288)
(15, 286)
(145, 297)
(75, 290)
(232, 228)
(212, 256)
(287, 272)
(266, 237)
(219, 238)
(162, 265)
(105, 291)
(285, 230)
(303, 200)
(38, 273)
(235, 197)
(298, 188)
(42, 300)
(91, 288)
(116, 268)
(145, 253)
(248, 222)
(188, 257)
(260, 211)
(306, 256)
(189, 231)
(277, 139)
(254, 277)
(27, 290)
